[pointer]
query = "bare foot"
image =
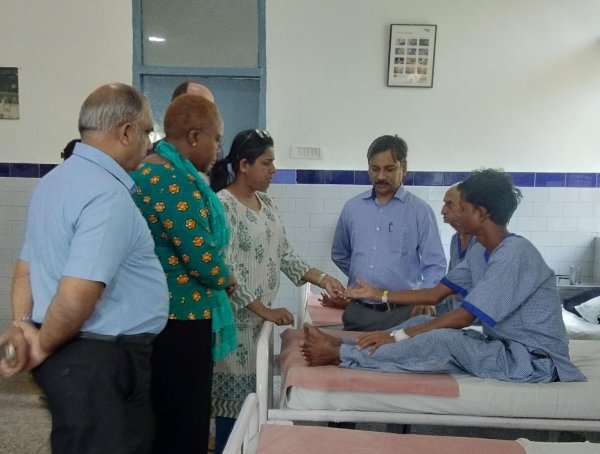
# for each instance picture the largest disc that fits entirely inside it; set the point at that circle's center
(318, 348)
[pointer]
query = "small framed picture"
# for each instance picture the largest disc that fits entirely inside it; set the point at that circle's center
(415, 41)
(9, 93)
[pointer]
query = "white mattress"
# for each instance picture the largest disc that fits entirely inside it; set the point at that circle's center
(538, 447)
(479, 397)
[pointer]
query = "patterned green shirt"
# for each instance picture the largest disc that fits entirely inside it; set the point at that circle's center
(181, 225)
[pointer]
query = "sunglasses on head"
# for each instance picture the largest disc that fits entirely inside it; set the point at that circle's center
(262, 133)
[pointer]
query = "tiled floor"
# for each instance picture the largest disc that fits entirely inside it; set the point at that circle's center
(24, 421)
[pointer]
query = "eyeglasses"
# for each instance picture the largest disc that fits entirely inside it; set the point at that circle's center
(216, 138)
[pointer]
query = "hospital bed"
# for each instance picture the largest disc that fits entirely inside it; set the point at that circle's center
(479, 403)
(250, 435)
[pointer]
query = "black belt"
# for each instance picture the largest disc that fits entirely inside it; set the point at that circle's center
(143, 338)
(381, 307)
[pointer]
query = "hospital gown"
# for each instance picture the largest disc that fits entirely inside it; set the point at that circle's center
(524, 339)
(456, 256)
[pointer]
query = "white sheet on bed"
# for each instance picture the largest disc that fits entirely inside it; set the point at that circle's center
(538, 447)
(578, 328)
(480, 397)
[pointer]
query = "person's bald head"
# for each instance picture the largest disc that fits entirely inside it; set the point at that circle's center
(110, 106)
(451, 210)
(190, 87)
(116, 119)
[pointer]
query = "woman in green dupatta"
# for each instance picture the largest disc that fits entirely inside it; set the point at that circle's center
(190, 232)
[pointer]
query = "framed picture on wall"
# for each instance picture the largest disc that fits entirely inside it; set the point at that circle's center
(9, 93)
(412, 52)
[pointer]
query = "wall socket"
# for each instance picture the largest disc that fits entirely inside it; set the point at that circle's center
(306, 152)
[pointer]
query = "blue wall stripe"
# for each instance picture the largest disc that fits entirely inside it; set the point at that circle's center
(550, 180)
(361, 177)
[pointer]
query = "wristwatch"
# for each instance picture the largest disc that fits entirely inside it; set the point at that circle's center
(384, 297)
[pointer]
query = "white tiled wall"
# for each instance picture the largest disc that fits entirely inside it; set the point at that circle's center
(597, 259)
(561, 222)
(14, 200)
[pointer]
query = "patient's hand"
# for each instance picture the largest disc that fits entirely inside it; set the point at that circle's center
(423, 310)
(336, 302)
(363, 291)
(374, 340)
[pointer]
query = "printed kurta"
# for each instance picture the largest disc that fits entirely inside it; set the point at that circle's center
(258, 251)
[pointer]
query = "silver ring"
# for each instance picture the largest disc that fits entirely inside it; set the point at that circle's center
(9, 352)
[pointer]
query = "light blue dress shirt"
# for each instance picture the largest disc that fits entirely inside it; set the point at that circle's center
(395, 246)
(83, 223)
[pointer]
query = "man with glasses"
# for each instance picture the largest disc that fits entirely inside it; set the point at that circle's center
(386, 236)
(91, 285)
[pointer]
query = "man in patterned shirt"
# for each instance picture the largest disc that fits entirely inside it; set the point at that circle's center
(504, 281)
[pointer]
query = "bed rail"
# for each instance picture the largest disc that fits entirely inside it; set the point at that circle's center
(264, 370)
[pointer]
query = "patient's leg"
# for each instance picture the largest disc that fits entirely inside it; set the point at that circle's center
(318, 348)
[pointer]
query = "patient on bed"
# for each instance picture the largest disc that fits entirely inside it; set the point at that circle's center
(504, 282)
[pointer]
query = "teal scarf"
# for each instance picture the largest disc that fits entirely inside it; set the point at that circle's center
(223, 326)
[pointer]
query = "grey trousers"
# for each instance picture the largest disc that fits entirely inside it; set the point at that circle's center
(359, 318)
(452, 351)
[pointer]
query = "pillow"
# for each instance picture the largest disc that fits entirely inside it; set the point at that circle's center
(590, 310)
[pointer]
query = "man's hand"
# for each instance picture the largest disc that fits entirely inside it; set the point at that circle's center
(36, 354)
(374, 340)
(423, 310)
(363, 291)
(336, 302)
(15, 351)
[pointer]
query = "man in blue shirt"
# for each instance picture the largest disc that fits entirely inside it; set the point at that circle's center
(91, 284)
(504, 282)
(388, 237)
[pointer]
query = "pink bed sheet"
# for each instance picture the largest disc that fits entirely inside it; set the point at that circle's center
(323, 316)
(309, 439)
(295, 372)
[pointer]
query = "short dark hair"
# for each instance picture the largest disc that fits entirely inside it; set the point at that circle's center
(249, 145)
(393, 143)
(493, 190)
